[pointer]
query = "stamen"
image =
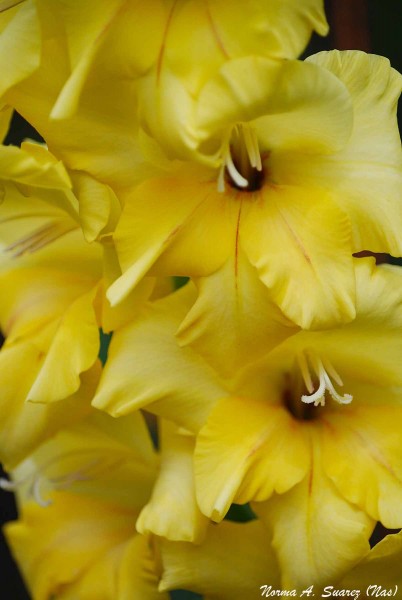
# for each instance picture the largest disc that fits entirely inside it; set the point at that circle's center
(238, 179)
(242, 144)
(301, 359)
(37, 493)
(324, 371)
(253, 150)
(7, 486)
(38, 239)
(317, 397)
(221, 179)
(36, 479)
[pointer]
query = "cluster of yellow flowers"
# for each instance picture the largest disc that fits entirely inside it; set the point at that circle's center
(184, 138)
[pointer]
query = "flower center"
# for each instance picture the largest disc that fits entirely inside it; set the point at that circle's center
(40, 478)
(241, 160)
(311, 382)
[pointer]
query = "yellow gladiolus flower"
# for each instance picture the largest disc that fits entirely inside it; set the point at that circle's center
(308, 172)
(283, 433)
(80, 495)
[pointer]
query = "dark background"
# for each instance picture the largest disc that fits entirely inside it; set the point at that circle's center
(370, 25)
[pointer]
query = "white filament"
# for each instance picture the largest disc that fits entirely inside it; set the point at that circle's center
(244, 137)
(324, 371)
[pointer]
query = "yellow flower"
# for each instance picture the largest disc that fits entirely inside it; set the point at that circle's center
(78, 537)
(80, 495)
(308, 171)
(321, 464)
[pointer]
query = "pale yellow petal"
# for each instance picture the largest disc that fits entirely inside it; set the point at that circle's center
(99, 581)
(246, 451)
(366, 174)
(234, 320)
(369, 349)
(6, 113)
(381, 567)
(300, 243)
(25, 425)
(19, 46)
(147, 368)
(56, 545)
(90, 140)
(83, 44)
(24, 166)
(99, 207)
(98, 457)
(275, 28)
(368, 469)
(138, 576)
(77, 331)
(290, 104)
(172, 512)
(225, 31)
(168, 219)
(233, 562)
(317, 535)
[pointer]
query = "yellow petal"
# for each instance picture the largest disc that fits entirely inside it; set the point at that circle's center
(172, 512)
(185, 386)
(99, 581)
(90, 140)
(381, 567)
(138, 576)
(188, 206)
(223, 31)
(366, 175)
(98, 205)
(367, 350)
(5, 116)
(206, 569)
(242, 326)
(55, 546)
(24, 166)
(127, 572)
(83, 44)
(300, 243)
(19, 46)
(317, 535)
(368, 469)
(247, 450)
(110, 460)
(291, 104)
(78, 331)
(25, 425)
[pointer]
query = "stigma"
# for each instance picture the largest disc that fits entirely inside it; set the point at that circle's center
(241, 164)
(325, 377)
